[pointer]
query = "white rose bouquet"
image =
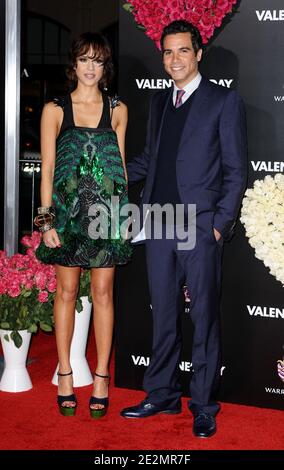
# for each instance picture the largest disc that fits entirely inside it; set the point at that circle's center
(263, 217)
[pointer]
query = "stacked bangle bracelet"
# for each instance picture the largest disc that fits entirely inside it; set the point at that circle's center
(44, 219)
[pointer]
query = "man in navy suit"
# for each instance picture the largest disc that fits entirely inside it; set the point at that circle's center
(195, 153)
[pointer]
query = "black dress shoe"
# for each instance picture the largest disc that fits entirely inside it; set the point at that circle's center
(145, 409)
(204, 425)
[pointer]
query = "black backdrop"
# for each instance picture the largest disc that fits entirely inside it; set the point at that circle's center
(247, 54)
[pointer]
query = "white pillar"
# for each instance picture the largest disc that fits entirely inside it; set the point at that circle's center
(12, 123)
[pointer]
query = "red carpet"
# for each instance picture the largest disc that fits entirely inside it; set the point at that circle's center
(30, 420)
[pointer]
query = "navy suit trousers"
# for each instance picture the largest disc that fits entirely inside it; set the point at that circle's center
(168, 270)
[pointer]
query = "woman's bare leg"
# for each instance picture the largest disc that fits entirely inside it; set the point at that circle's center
(102, 280)
(64, 311)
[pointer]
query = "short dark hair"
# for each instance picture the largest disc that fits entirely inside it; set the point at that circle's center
(182, 26)
(102, 50)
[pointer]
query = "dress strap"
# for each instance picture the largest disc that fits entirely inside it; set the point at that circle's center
(109, 104)
(68, 111)
(114, 101)
(66, 104)
(105, 121)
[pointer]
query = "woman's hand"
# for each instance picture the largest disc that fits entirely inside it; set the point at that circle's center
(51, 239)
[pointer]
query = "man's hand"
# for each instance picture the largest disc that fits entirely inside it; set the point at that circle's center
(217, 235)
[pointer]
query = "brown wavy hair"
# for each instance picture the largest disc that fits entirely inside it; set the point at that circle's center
(102, 50)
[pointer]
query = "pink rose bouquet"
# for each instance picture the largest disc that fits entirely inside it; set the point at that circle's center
(27, 289)
(154, 15)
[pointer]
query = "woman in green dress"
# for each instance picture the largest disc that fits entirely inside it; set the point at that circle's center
(83, 188)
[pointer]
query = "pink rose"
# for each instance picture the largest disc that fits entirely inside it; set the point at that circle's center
(194, 16)
(26, 241)
(51, 286)
(13, 290)
(43, 297)
(3, 286)
(29, 284)
(32, 241)
(223, 4)
(36, 239)
(40, 280)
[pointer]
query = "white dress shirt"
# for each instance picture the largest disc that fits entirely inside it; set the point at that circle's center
(189, 88)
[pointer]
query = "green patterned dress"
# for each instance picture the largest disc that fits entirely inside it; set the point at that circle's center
(89, 191)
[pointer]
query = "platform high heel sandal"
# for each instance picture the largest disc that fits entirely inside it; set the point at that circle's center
(104, 402)
(66, 410)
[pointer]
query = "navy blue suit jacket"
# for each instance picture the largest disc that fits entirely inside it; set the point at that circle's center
(212, 156)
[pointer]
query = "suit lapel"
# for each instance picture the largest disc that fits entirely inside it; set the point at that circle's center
(161, 111)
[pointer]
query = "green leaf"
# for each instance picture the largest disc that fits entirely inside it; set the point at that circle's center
(16, 337)
(79, 305)
(6, 337)
(45, 326)
(127, 7)
(32, 328)
(27, 294)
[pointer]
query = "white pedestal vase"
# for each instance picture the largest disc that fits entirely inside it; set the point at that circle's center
(15, 377)
(81, 372)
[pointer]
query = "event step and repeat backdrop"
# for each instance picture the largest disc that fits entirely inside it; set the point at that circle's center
(246, 55)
